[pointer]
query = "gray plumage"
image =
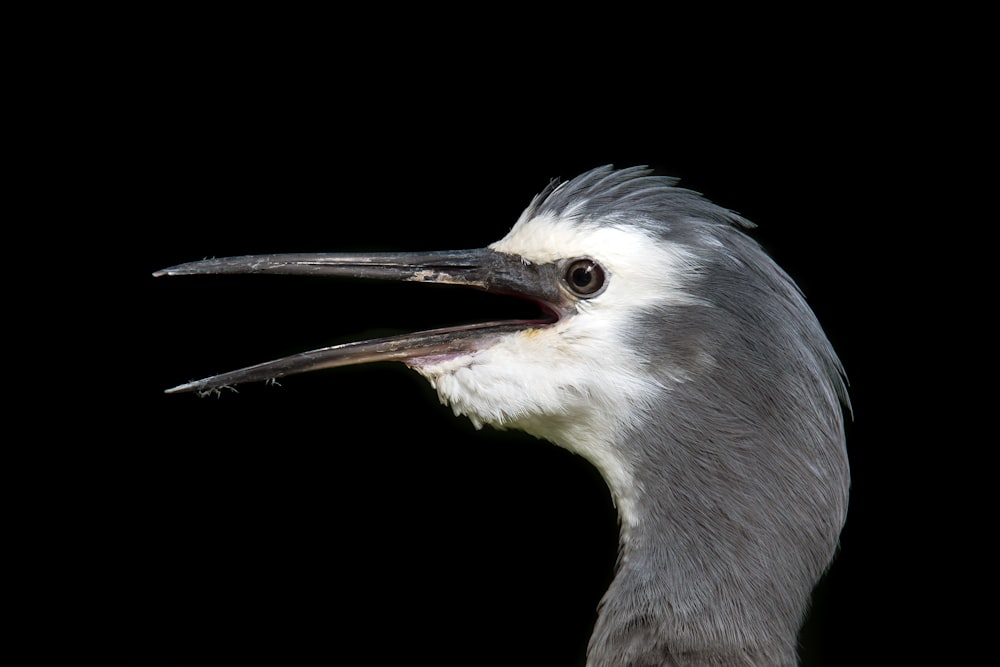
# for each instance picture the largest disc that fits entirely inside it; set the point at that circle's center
(744, 466)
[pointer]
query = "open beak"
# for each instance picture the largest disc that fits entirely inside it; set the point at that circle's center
(484, 269)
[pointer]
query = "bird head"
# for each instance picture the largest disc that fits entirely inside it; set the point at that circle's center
(673, 354)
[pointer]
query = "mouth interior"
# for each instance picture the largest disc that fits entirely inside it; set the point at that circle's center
(482, 311)
(447, 306)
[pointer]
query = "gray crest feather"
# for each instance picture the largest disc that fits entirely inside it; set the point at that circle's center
(634, 194)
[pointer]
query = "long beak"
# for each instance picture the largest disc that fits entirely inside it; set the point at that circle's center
(484, 269)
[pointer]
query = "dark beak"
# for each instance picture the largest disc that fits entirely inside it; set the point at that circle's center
(484, 269)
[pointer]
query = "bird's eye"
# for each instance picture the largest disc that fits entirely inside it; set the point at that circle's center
(585, 277)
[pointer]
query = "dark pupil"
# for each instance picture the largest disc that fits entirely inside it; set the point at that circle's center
(582, 276)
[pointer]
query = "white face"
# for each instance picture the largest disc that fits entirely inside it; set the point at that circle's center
(577, 383)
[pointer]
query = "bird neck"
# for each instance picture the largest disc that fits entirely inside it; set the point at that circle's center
(718, 553)
(667, 608)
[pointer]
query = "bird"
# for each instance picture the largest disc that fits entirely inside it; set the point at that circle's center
(672, 353)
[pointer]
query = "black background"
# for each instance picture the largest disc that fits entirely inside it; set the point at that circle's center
(347, 511)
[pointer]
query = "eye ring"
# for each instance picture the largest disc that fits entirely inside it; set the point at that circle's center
(585, 278)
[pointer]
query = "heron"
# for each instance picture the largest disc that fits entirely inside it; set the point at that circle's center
(675, 355)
